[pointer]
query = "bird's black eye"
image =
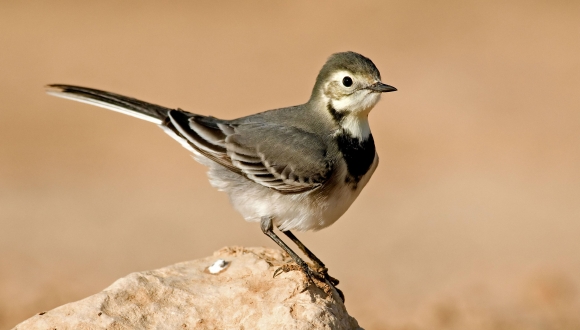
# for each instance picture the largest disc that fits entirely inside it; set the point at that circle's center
(347, 81)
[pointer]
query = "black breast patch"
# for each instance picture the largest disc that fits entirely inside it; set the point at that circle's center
(358, 155)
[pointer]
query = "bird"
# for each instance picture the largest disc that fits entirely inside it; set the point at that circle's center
(297, 168)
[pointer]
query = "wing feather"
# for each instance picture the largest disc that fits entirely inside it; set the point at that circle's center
(289, 160)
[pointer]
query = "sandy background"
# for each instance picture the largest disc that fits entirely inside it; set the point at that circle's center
(472, 220)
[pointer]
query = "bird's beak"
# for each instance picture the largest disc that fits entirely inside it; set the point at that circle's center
(381, 88)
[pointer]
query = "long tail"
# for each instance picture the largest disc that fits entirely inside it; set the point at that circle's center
(123, 104)
(199, 134)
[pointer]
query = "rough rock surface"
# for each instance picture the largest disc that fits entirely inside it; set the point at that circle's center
(187, 296)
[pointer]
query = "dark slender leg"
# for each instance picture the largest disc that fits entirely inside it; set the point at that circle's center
(304, 249)
(267, 228)
(319, 264)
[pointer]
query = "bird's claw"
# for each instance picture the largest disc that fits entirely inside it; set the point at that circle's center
(318, 277)
(286, 268)
(323, 271)
(277, 272)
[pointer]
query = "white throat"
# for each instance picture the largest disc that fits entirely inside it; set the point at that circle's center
(357, 125)
(356, 110)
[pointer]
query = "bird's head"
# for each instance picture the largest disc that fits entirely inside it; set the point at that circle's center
(349, 85)
(350, 82)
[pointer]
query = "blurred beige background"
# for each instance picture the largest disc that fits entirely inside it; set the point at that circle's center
(472, 220)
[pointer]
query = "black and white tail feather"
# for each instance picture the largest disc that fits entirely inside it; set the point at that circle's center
(123, 104)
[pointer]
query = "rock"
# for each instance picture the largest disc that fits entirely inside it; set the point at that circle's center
(240, 295)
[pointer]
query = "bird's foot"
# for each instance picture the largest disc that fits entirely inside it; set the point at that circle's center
(324, 272)
(318, 277)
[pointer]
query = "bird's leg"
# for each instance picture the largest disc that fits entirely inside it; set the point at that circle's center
(268, 229)
(321, 268)
(304, 249)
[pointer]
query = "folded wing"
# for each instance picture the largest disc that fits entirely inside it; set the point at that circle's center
(283, 158)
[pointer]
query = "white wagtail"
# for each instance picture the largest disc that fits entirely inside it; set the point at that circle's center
(296, 168)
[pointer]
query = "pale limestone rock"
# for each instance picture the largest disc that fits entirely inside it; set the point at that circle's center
(187, 296)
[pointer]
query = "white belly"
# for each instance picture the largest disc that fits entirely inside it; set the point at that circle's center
(312, 210)
(341, 198)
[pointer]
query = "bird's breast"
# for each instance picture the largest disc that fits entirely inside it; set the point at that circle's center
(357, 154)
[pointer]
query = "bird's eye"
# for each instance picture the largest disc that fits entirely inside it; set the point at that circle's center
(347, 81)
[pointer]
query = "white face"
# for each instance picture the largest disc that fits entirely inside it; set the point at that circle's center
(348, 92)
